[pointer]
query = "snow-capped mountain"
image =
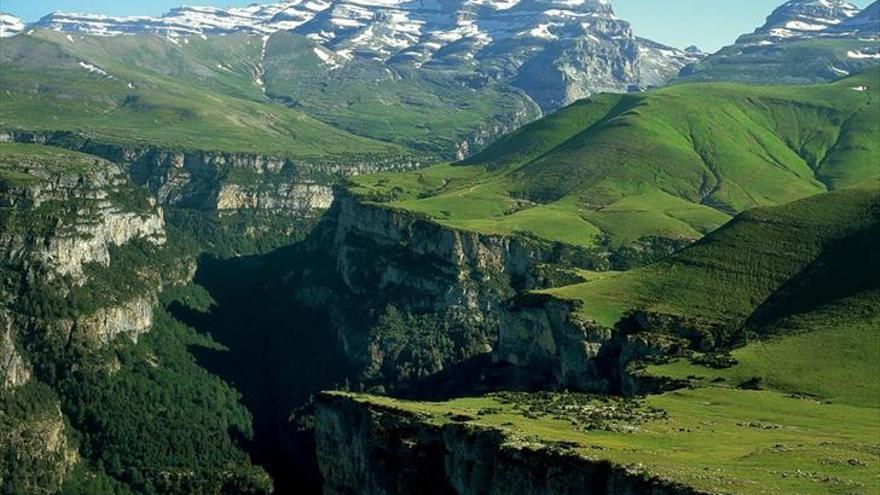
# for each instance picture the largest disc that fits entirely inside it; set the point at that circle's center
(809, 19)
(800, 18)
(10, 25)
(184, 21)
(802, 42)
(658, 60)
(576, 46)
(864, 25)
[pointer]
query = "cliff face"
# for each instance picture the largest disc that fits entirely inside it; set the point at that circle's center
(369, 449)
(221, 181)
(35, 453)
(454, 280)
(89, 219)
(64, 217)
(14, 370)
(544, 337)
(484, 136)
(548, 340)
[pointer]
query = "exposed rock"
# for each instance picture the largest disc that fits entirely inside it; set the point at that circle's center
(547, 339)
(36, 453)
(14, 371)
(381, 256)
(306, 198)
(85, 225)
(211, 180)
(131, 319)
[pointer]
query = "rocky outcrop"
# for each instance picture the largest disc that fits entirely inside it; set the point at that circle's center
(484, 136)
(543, 335)
(90, 241)
(369, 449)
(380, 256)
(215, 180)
(435, 267)
(307, 198)
(85, 219)
(14, 371)
(35, 453)
(130, 319)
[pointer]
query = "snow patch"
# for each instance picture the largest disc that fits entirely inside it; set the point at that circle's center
(94, 69)
(859, 55)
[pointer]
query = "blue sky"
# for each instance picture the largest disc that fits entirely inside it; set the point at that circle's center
(710, 24)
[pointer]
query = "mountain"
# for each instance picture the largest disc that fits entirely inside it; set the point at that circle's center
(805, 18)
(10, 25)
(866, 23)
(802, 42)
(420, 60)
(624, 170)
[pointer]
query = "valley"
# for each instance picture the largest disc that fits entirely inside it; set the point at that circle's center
(458, 248)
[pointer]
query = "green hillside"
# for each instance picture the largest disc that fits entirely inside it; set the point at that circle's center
(190, 95)
(427, 109)
(244, 92)
(727, 275)
(677, 162)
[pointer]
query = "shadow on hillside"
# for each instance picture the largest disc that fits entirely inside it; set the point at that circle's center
(279, 354)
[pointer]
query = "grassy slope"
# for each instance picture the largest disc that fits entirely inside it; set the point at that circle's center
(181, 97)
(675, 162)
(730, 273)
(429, 110)
(16, 160)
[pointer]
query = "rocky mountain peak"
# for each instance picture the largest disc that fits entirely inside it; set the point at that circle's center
(10, 25)
(806, 17)
(865, 24)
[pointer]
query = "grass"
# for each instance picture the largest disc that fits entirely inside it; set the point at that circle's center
(19, 162)
(177, 96)
(429, 109)
(729, 274)
(827, 354)
(814, 428)
(203, 93)
(796, 410)
(677, 162)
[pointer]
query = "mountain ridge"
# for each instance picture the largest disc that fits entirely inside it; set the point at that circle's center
(518, 40)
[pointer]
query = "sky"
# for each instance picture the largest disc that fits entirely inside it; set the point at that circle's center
(709, 24)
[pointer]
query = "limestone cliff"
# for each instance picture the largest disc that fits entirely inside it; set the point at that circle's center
(14, 370)
(214, 180)
(378, 256)
(543, 336)
(369, 449)
(64, 220)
